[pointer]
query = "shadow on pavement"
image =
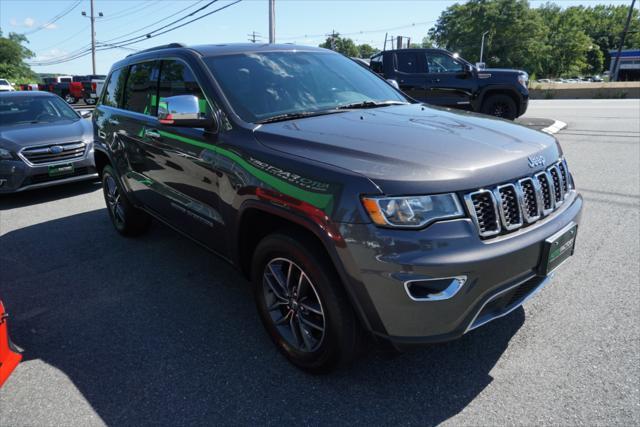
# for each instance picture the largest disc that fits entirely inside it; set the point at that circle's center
(47, 194)
(156, 330)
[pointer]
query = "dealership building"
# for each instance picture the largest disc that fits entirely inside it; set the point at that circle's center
(629, 64)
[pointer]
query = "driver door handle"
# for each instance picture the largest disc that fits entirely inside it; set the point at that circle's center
(152, 133)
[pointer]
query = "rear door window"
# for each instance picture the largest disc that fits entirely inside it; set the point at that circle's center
(141, 91)
(407, 62)
(115, 86)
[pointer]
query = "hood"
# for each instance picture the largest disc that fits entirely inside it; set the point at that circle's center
(412, 149)
(19, 136)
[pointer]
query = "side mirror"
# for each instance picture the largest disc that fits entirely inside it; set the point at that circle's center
(183, 111)
(481, 65)
(393, 83)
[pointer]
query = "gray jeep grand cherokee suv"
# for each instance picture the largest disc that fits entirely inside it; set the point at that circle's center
(354, 211)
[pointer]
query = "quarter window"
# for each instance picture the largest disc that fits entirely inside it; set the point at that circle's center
(176, 78)
(407, 62)
(377, 64)
(142, 87)
(441, 63)
(114, 87)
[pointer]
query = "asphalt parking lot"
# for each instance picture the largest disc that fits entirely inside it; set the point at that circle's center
(158, 331)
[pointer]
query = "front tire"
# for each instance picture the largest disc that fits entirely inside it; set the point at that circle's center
(70, 99)
(126, 219)
(302, 304)
(502, 106)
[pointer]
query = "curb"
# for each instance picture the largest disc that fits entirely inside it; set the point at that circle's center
(556, 127)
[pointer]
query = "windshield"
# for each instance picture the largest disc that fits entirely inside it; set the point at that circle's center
(4, 82)
(260, 86)
(41, 109)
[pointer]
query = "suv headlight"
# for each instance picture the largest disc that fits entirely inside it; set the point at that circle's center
(5, 154)
(412, 211)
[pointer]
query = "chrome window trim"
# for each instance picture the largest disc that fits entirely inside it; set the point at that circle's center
(503, 217)
(472, 211)
(77, 143)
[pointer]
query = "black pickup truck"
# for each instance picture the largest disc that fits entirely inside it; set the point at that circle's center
(439, 77)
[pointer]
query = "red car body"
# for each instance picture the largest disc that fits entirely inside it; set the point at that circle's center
(9, 358)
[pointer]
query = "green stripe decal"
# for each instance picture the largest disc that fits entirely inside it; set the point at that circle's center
(321, 201)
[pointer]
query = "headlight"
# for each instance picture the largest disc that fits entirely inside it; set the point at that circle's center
(412, 211)
(523, 79)
(5, 154)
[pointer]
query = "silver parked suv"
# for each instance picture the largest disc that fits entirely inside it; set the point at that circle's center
(43, 142)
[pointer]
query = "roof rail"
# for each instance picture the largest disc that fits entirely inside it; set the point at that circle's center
(164, 46)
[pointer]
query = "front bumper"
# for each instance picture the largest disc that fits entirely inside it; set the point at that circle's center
(16, 175)
(501, 274)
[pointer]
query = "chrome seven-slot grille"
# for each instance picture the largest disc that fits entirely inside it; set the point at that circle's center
(510, 206)
(53, 153)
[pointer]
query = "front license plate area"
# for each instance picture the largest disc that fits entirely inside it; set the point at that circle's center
(59, 170)
(558, 248)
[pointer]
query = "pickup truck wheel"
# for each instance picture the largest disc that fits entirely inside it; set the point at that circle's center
(500, 106)
(302, 304)
(70, 99)
(126, 219)
(89, 101)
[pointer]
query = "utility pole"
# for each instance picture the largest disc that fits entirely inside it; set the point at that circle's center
(482, 45)
(92, 17)
(616, 65)
(253, 37)
(385, 41)
(272, 21)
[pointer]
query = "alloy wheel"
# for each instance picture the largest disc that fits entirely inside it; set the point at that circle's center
(293, 305)
(114, 203)
(500, 109)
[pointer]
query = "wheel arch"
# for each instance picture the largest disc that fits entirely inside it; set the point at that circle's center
(258, 219)
(500, 90)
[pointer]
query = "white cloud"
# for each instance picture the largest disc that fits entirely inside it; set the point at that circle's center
(49, 54)
(13, 22)
(29, 22)
(51, 26)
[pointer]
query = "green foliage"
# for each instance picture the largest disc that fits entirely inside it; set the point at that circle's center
(12, 56)
(366, 51)
(347, 47)
(546, 41)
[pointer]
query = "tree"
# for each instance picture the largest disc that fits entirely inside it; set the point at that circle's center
(366, 51)
(12, 57)
(339, 44)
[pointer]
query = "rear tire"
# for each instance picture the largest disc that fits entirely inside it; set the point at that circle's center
(70, 99)
(302, 304)
(502, 106)
(127, 220)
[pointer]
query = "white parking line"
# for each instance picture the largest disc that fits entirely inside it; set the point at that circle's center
(556, 127)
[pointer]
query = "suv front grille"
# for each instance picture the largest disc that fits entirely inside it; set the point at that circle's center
(510, 206)
(53, 153)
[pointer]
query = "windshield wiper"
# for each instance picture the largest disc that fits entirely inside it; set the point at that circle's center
(292, 116)
(368, 104)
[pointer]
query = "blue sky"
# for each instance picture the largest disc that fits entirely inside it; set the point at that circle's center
(301, 21)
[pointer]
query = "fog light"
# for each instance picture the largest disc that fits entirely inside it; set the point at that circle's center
(434, 289)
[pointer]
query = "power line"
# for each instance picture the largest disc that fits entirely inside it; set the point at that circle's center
(157, 22)
(355, 33)
(56, 18)
(80, 54)
(130, 10)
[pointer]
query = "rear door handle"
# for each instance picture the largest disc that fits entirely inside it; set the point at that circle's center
(152, 133)
(114, 122)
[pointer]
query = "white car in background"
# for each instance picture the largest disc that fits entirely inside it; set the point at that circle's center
(5, 86)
